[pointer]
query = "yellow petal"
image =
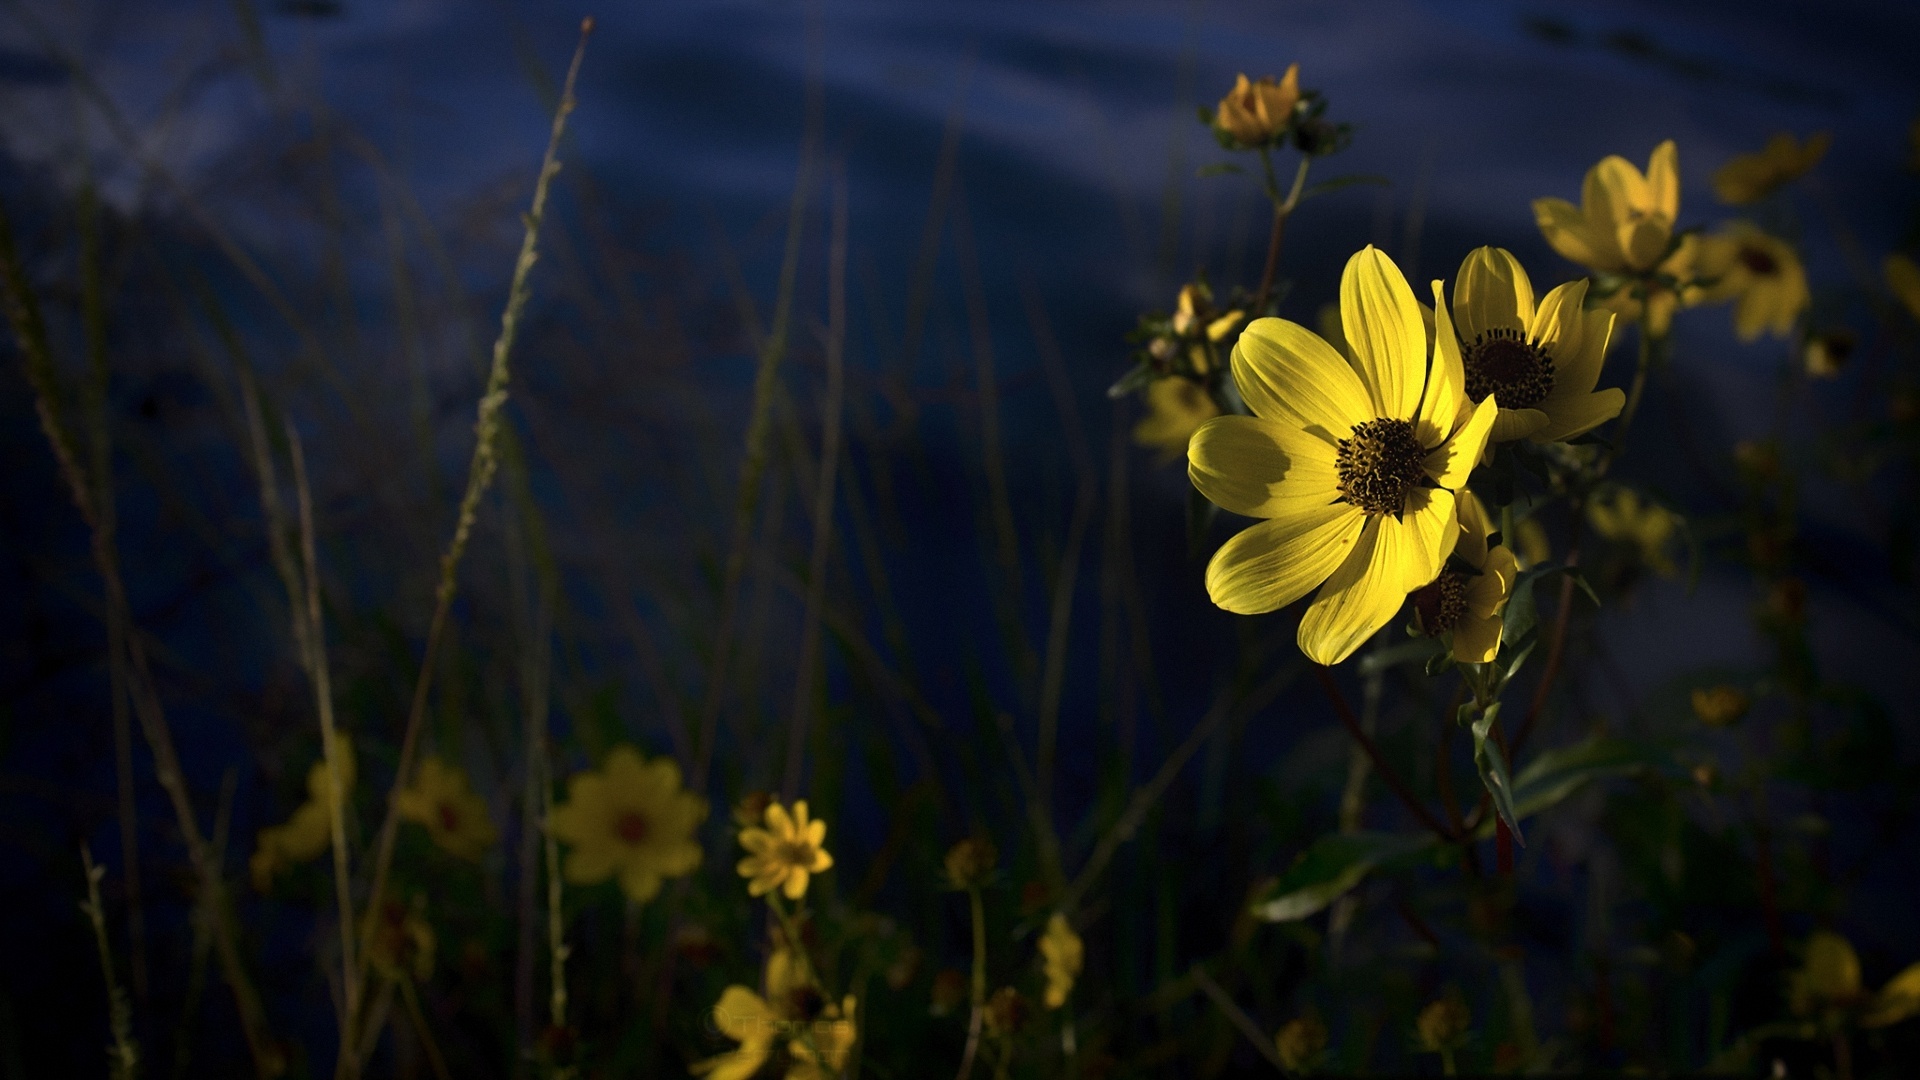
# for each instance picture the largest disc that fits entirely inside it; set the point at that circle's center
(1487, 594)
(1663, 182)
(1382, 322)
(1510, 424)
(1475, 527)
(1451, 461)
(796, 885)
(779, 822)
(1285, 372)
(1566, 230)
(1445, 397)
(641, 883)
(1643, 241)
(1277, 562)
(1362, 595)
(1896, 1001)
(1903, 277)
(1429, 532)
(1224, 325)
(1491, 292)
(1560, 329)
(1261, 468)
(1476, 639)
(1577, 416)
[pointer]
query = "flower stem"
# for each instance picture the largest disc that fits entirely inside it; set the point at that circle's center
(977, 911)
(1392, 779)
(1282, 209)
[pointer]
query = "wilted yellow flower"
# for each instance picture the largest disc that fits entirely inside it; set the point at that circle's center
(309, 831)
(785, 853)
(1903, 277)
(400, 942)
(1540, 363)
(1827, 354)
(1467, 605)
(1064, 954)
(1352, 460)
(1255, 113)
(1645, 526)
(630, 820)
(1301, 1043)
(453, 815)
(1625, 218)
(1718, 706)
(1761, 274)
(1751, 177)
(1176, 407)
(1443, 1024)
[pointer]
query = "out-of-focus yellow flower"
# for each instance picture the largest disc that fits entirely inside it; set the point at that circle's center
(820, 1052)
(309, 831)
(1718, 706)
(785, 853)
(1063, 953)
(441, 800)
(1301, 1043)
(1540, 362)
(1748, 178)
(1625, 218)
(1352, 460)
(1827, 354)
(1467, 605)
(1196, 304)
(1675, 284)
(400, 941)
(1531, 543)
(746, 1018)
(1646, 527)
(630, 820)
(1175, 408)
(1829, 975)
(1006, 1012)
(1443, 1024)
(1896, 1001)
(970, 863)
(1761, 274)
(1256, 113)
(1903, 277)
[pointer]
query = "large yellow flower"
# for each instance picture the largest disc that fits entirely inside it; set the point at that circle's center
(1064, 954)
(1625, 218)
(309, 832)
(1541, 363)
(1748, 178)
(1256, 112)
(1761, 274)
(441, 800)
(786, 853)
(1353, 460)
(629, 820)
(1466, 602)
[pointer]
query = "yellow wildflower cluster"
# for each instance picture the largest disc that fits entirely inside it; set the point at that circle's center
(1064, 955)
(1646, 528)
(309, 832)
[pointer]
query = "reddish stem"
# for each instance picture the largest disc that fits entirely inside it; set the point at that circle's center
(1387, 775)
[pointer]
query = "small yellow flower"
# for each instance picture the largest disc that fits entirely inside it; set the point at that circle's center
(1443, 1024)
(820, 1052)
(309, 831)
(1829, 975)
(1903, 277)
(970, 863)
(1646, 527)
(1064, 954)
(1301, 1043)
(1540, 362)
(629, 820)
(1256, 113)
(1352, 459)
(1718, 706)
(441, 800)
(1176, 407)
(1194, 305)
(400, 943)
(1761, 274)
(1827, 354)
(1748, 178)
(1625, 218)
(786, 853)
(1534, 549)
(1467, 605)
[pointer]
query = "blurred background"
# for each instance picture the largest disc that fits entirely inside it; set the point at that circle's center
(328, 195)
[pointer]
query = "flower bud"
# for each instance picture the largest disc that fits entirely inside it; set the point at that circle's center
(970, 863)
(1257, 113)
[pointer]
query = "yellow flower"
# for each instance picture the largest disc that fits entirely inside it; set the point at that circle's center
(1749, 178)
(309, 831)
(1175, 408)
(1064, 954)
(1257, 113)
(453, 815)
(1194, 305)
(820, 1052)
(1827, 354)
(1467, 605)
(819, 1035)
(1903, 277)
(1301, 1042)
(1761, 273)
(970, 863)
(1676, 283)
(1443, 1023)
(746, 1018)
(1828, 976)
(1006, 1012)
(1349, 458)
(1625, 219)
(1534, 547)
(1541, 363)
(785, 853)
(1646, 527)
(1896, 1001)
(629, 820)
(1718, 706)
(400, 942)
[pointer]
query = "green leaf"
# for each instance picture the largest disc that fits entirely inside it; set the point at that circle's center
(1493, 770)
(1136, 378)
(1555, 774)
(1330, 868)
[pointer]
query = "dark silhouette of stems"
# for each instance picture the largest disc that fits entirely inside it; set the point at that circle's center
(1392, 779)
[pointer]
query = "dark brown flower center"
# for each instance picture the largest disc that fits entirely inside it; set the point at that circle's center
(1379, 464)
(1760, 261)
(1441, 603)
(631, 828)
(1502, 362)
(794, 853)
(449, 817)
